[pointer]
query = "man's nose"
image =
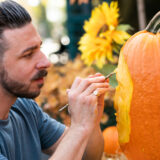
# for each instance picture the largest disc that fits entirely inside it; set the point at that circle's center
(43, 63)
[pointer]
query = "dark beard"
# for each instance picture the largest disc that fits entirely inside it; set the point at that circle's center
(20, 89)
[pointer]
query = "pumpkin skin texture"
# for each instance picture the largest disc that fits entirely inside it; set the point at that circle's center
(111, 144)
(141, 56)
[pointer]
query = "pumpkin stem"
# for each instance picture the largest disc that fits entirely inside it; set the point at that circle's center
(154, 24)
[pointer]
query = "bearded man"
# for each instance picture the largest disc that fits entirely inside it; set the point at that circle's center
(25, 130)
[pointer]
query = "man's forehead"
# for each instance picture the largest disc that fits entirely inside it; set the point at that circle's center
(27, 32)
(28, 28)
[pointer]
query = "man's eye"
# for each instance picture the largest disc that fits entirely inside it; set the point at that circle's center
(28, 55)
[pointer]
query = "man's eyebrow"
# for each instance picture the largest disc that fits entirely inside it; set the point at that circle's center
(31, 48)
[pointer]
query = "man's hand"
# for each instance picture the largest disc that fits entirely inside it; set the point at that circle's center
(86, 108)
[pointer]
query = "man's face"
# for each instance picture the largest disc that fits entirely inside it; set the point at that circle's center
(23, 65)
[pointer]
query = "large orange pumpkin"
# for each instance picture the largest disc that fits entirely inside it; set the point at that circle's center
(111, 144)
(137, 98)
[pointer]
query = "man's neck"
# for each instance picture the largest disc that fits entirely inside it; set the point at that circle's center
(7, 100)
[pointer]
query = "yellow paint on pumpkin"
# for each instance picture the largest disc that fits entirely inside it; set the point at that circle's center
(122, 100)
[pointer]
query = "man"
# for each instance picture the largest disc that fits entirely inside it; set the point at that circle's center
(25, 129)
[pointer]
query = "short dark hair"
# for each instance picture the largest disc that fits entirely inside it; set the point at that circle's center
(12, 15)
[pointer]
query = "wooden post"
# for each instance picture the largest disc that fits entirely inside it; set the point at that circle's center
(141, 14)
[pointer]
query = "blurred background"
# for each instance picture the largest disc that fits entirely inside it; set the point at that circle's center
(61, 25)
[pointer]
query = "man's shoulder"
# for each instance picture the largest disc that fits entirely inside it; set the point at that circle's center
(25, 104)
(24, 101)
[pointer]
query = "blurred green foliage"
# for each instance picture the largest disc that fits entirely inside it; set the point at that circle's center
(108, 68)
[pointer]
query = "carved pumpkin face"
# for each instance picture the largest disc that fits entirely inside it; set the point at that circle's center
(137, 98)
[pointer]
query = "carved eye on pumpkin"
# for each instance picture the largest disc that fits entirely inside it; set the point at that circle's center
(137, 98)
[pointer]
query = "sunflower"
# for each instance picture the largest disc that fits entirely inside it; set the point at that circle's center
(102, 35)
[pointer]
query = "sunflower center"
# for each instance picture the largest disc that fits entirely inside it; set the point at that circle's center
(103, 29)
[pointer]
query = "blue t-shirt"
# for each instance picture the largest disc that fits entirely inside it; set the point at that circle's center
(27, 131)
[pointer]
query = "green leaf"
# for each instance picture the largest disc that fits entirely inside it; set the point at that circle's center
(124, 27)
(116, 48)
(108, 68)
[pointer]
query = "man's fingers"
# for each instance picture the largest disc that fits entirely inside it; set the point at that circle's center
(95, 75)
(67, 91)
(76, 83)
(78, 80)
(101, 91)
(95, 87)
(85, 83)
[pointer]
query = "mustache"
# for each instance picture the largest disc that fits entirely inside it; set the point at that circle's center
(40, 74)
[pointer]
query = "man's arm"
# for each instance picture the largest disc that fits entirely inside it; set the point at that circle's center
(70, 145)
(92, 150)
(73, 144)
(95, 146)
